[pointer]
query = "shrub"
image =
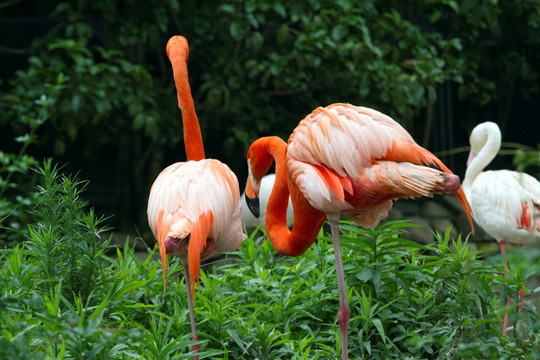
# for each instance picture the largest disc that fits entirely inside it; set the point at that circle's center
(16, 179)
(63, 297)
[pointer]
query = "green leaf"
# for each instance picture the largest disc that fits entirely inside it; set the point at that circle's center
(339, 32)
(380, 329)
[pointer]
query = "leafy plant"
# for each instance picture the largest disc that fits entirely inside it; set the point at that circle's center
(16, 178)
(66, 239)
(408, 301)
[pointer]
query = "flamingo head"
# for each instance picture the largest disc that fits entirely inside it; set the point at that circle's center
(178, 237)
(178, 46)
(471, 157)
(253, 186)
(486, 134)
(260, 157)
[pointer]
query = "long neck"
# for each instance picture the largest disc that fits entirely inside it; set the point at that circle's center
(485, 155)
(307, 220)
(192, 132)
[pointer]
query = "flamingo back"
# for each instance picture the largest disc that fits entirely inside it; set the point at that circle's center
(345, 138)
(336, 151)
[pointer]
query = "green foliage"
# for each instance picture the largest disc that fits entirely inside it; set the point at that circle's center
(65, 239)
(408, 301)
(297, 56)
(103, 86)
(526, 158)
(16, 179)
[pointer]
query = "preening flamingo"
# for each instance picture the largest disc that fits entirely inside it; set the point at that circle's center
(248, 219)
(194, 207)
(342, 159)
(506, 204)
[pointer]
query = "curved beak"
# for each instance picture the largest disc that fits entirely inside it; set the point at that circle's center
(252, 199)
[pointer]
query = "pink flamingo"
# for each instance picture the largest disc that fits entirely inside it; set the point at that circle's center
(194, 207)
(341, 159)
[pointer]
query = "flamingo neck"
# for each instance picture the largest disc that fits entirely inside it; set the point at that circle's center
(484, 156)
(192, 132)
(307, 220)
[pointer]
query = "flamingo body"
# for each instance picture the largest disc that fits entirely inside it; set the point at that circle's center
(506, 204)
(356, 160)
(342, 159)
(180, 195)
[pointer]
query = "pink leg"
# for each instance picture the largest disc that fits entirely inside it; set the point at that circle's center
(344, 312)
(195, 348)
(521, 293)
(502, 244)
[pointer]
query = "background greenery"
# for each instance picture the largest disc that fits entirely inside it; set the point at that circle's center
(256, 68)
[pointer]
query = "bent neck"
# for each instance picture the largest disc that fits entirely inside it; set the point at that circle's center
(307, 220)
(485, 155)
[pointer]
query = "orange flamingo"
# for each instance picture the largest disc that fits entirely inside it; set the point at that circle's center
(194, 207)
(506, 204)
(342, 159)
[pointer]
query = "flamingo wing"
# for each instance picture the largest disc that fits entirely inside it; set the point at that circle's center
(345, 138)
(507, 205)
(197, 202)
(334, 150)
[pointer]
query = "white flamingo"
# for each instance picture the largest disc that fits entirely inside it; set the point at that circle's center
(506, 204)
(248, 219)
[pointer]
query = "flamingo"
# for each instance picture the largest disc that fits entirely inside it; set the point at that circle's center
(194, 207)
(250, 221)
(506, 204)
(341, 159)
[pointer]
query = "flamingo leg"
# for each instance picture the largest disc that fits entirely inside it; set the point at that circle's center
(521, 293)
(196, 347)
(344, 312)
(502, 244)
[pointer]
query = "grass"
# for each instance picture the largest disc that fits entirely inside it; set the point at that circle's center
(63, 297)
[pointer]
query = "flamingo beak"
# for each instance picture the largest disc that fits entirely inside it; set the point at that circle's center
(471, 157)
(252, 200)
(254, 206)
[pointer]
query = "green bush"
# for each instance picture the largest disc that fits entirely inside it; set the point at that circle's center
(63, 297)
(16, 179)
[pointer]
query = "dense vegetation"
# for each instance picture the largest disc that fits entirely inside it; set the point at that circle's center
(63, 298)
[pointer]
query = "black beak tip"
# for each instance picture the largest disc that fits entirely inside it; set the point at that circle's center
(254, 206)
